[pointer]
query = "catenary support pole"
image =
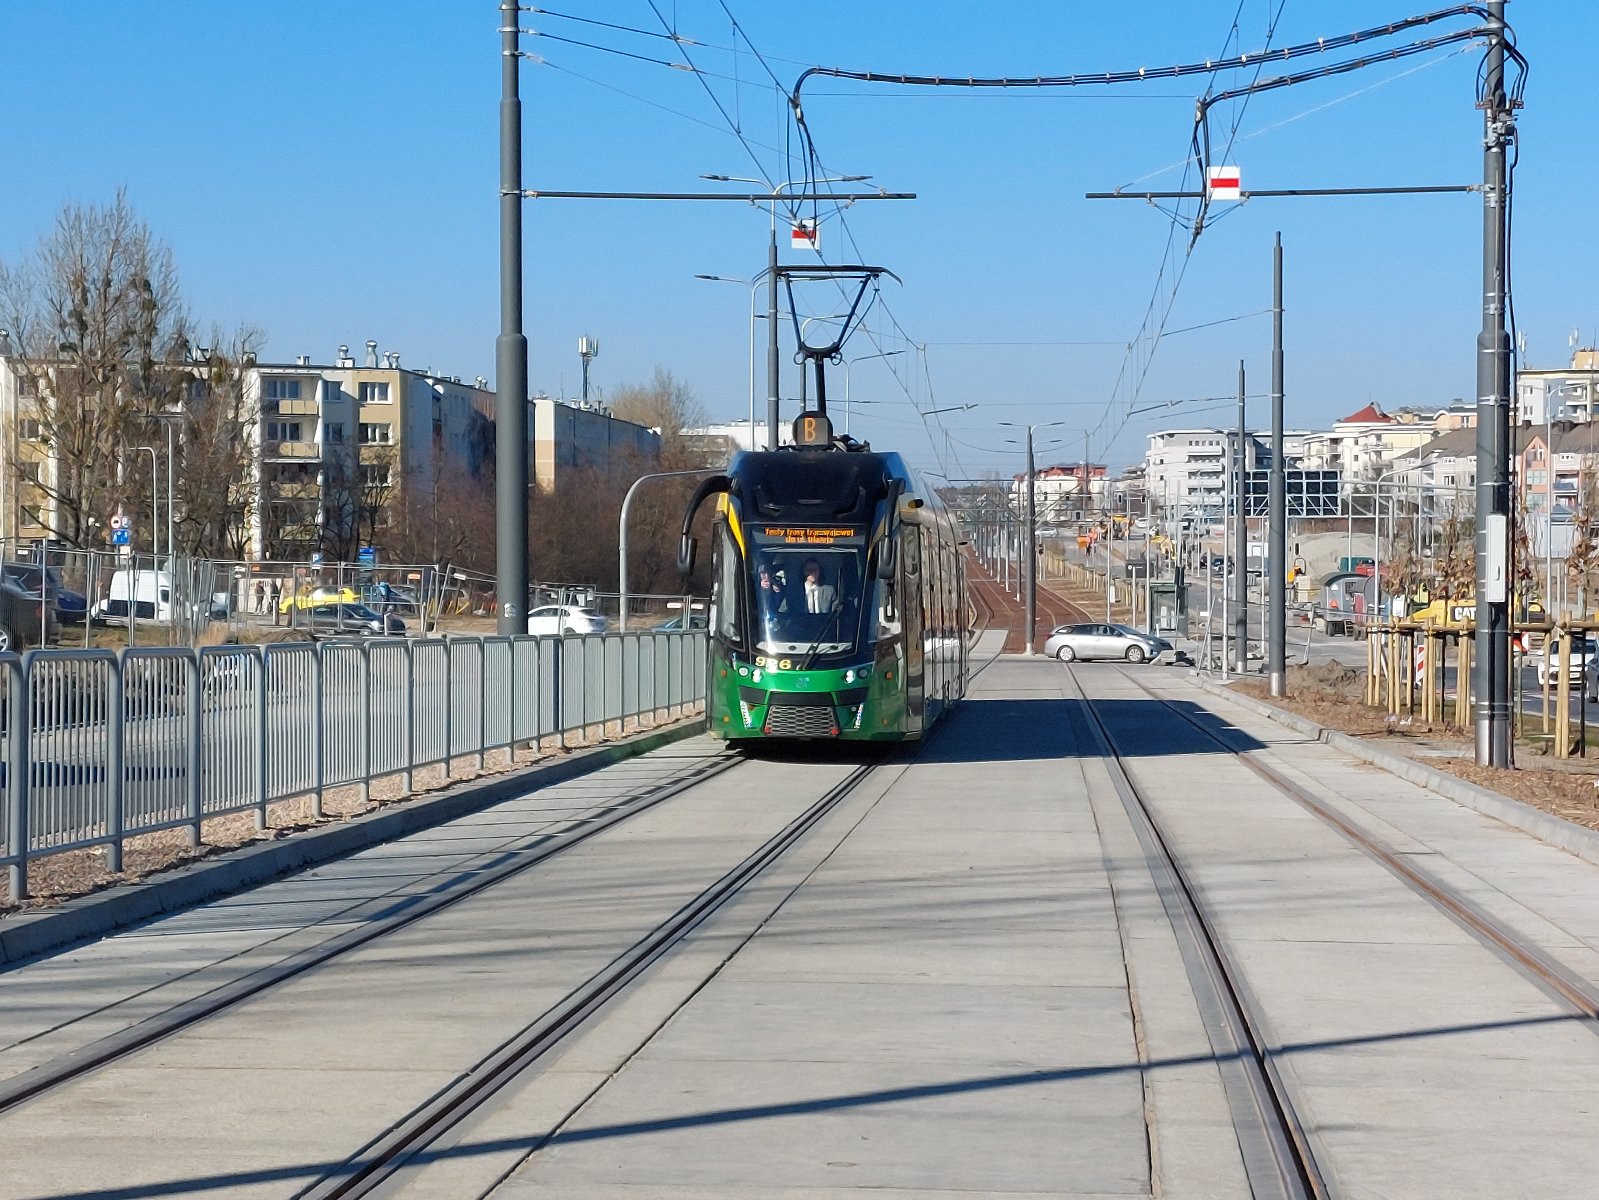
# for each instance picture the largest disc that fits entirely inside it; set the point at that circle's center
(773, 415)
(510, 353)
(1240, 572)
(1277, 498)
(1031, 608)
(1492, 651)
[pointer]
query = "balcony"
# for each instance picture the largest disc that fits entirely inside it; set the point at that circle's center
(293, 451)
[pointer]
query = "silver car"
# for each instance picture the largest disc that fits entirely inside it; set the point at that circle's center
(1071, 642)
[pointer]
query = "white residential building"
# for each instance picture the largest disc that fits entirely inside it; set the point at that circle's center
(1571, 394)
(1188, 467)
(1368, 441)
(1062, 493)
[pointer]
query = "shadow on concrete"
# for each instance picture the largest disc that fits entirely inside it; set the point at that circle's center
(305, 1173)
(1056, 728)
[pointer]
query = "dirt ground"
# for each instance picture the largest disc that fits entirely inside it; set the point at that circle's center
(1331, 695)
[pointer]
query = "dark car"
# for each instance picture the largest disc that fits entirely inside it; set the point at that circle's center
(25, 615)
(355, 620)
(675, 625)
(70, 607)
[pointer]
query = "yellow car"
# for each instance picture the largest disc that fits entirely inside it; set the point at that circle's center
(317, 596)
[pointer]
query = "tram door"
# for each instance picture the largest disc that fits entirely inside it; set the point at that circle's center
(912, 614)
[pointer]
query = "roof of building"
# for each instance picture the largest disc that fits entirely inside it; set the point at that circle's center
(1368, 415)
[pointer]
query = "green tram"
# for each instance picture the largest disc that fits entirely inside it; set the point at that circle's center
(838, 597)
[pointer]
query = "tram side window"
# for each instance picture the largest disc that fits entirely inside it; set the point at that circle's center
(724, 615)
(911, 548)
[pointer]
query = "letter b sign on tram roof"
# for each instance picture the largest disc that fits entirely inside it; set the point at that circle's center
(812, 429)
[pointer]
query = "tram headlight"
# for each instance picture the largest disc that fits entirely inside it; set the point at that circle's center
(756, 675)
(849, 676)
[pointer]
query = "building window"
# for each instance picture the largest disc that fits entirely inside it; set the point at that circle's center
(32, 516)
(283, 431)
(374, 475)
(374, 393)
(375, 434)
(28, 429)
(333, 433)
(29, 471)
(282, 389)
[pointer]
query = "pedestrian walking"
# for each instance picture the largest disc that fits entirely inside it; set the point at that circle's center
(260, 598)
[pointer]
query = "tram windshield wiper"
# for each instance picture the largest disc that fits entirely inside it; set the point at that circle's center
(829, 626)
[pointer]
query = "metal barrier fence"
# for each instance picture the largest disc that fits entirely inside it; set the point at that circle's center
(101, 745)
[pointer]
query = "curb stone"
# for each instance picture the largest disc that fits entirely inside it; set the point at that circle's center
(1565, 835)
(30, 935)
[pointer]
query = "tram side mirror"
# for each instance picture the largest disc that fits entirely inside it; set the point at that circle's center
(686, 545)
(887, 558)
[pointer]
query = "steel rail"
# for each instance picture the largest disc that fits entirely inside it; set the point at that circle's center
(1286, 1164)
(531, 851)
(376, 1163)
(1553, 977)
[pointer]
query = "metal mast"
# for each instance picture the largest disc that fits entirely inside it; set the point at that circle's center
(1492, 666)
(510, 353)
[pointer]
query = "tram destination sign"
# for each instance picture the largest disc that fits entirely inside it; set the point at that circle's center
(810, 535)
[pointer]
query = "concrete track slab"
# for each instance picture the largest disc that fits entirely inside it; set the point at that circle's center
(904, 1125)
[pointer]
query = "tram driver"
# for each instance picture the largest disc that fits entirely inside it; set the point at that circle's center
(820, 596)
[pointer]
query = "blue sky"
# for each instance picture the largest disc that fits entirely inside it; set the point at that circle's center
(327, 171)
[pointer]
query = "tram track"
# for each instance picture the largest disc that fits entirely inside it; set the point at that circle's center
(367, 1172)
(1566, 987)
(520, 857)
(1277, 1148)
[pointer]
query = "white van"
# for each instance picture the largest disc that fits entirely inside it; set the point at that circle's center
(149, 592)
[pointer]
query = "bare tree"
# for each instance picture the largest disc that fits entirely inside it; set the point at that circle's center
(668, 406)
(357, 492)
(1582, 562)
(215, 489)
(100, 331)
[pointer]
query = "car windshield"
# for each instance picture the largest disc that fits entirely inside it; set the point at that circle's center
(808, 597)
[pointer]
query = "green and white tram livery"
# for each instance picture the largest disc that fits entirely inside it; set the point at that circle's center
(837, 600)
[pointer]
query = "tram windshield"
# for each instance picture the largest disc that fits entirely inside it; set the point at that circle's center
(808, 596)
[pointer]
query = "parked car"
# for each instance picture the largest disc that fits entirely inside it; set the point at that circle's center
(695, 621)
(356, 620)
(71, 608)
(555, 619)
(1071, 642)
(25, 615)
(317, 596)
(1547, 661)
(396, 598)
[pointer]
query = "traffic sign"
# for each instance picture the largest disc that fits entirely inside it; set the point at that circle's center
(368, 556)
(1224, 183)
(121, 535)
(804, 236)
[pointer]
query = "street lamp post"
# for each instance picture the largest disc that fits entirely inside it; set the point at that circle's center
(621, 539)
(1376, 526)
(752, 284)
(847, 363)
(170, 418)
